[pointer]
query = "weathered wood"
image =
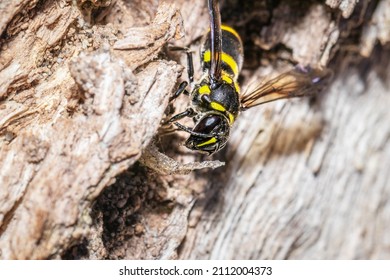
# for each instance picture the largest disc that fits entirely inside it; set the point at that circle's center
(306, 182)
(80, 103)
(70, 130)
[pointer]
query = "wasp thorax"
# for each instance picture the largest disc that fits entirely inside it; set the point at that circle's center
(212, 133)
(224, 89)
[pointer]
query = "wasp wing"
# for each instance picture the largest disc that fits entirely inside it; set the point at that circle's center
(215, 41)
(294, 83)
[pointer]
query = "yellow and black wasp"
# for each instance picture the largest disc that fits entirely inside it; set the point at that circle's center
(216, 98)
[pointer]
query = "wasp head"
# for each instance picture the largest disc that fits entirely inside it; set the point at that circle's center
(210, 133)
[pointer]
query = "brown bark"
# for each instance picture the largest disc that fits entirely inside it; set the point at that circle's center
(83, 89)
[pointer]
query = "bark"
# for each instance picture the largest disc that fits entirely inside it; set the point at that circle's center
(88, 171)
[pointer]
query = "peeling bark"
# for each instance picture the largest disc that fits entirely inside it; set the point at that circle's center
(73, 129)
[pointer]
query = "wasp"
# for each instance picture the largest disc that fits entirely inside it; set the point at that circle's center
(217, 99)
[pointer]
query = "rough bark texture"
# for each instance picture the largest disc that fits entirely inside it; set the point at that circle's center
(87, 171)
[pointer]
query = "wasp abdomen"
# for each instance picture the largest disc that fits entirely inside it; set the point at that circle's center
(232, 52)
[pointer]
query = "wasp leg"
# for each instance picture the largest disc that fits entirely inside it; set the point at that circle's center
(180, 90)
(187, 113)
(205, 99)
(190, 67)
(190, 62)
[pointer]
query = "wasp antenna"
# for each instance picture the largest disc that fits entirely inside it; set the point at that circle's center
(215, 43)
(190, 131)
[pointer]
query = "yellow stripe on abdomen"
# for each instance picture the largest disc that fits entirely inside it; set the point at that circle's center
(231, 30)
(226, 59)
(230, 81)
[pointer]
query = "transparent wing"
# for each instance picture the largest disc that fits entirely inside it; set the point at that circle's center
(215, 41)
(295, 83)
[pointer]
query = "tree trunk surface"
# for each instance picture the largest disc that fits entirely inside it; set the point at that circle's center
(89, 170)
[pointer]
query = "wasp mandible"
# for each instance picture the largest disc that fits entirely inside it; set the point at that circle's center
(216, 98)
